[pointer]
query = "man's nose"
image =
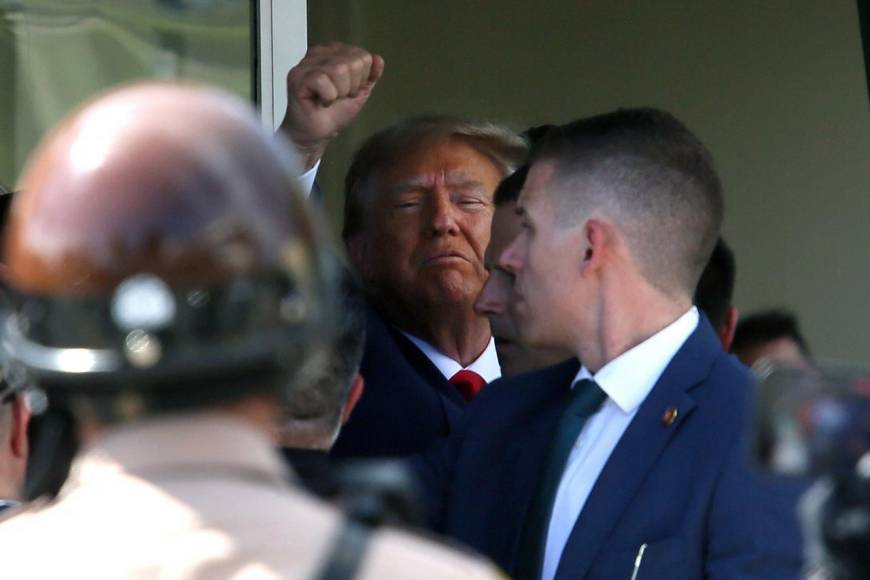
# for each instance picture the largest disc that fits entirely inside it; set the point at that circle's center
(443, 217)
(492, 298)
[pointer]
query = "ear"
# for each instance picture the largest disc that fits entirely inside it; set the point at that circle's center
(596, 235)
(20, 421)
(356, 391)
(729, 327)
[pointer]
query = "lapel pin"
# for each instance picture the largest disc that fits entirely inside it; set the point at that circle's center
(669, 416)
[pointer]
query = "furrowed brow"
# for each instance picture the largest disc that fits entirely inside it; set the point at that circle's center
(415, 184)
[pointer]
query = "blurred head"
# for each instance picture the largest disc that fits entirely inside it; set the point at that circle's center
(715, 290)
(623, 206)
(14, 410)
(160, 258)
(329, 384)
(14, 446)
(419, 203)
(773, 335)
(495, 300)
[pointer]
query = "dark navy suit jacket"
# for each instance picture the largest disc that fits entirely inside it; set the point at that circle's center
(683, 489)
(407, 404)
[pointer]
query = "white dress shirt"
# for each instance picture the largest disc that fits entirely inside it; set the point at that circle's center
(486, 365)
(306, 180)
(627, 380)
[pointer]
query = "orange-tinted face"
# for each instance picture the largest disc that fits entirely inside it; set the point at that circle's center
(426, 226)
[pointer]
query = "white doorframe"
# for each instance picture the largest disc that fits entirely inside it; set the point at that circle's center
(283, 42)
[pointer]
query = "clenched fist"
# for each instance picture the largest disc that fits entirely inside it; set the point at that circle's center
(325, 92)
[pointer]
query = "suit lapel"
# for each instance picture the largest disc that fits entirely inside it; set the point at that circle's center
(523, 457)
(637, 451)
(451, 401)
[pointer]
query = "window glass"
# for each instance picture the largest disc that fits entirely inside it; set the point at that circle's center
(54, 54)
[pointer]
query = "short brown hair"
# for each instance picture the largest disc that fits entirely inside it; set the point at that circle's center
(505, 148)
(648, 172)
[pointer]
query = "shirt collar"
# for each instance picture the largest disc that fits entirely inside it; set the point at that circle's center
(630, 377)
(486, 365)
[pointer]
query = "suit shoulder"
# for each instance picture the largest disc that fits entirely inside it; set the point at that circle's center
(557, 373)
(395, 554)
(524, 392)
(731, 379)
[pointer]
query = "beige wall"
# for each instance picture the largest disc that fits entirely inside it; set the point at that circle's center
(776, 89)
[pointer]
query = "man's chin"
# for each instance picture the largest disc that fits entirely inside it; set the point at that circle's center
(527, 335)
(450, 288)
(447, 296)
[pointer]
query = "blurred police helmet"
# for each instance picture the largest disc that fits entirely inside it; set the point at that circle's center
(160, 256)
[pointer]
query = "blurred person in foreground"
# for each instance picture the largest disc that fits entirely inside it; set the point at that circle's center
(773, 335)
(14, 444)
(327, 389)
(631, 464)
(14, 411)
(418, 210)
(50, 434)
(169, 284)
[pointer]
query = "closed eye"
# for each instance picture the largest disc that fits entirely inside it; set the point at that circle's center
(407, 204)
(471, 203)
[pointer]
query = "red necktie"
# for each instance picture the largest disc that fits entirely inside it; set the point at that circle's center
(468, 383)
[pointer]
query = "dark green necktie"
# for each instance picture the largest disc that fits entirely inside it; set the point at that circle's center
(585, 398)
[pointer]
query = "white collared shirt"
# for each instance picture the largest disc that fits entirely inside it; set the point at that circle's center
(627, 380)
(306, 180)
(486, 365)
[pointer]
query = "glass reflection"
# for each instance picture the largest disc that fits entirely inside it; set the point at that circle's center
(54, 54)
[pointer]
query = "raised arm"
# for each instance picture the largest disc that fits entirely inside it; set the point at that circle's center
(325, 92)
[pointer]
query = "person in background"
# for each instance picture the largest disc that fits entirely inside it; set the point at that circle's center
(168, 294)
(716, 290)
(418, 210)
(495, 300)
(773, 335)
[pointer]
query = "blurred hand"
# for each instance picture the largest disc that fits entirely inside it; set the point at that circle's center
(325, 92)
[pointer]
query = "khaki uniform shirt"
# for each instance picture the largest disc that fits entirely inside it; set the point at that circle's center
(198, 497)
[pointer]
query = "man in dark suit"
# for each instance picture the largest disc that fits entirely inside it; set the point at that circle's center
(629, 466)
(419, 202)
